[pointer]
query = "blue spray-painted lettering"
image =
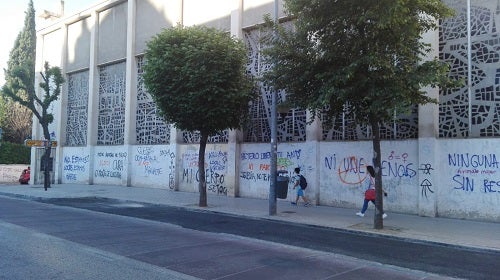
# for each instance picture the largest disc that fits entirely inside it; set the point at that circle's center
(331, 162)
(473, 160)
(463, 183)
(490, 186)
(397, 170)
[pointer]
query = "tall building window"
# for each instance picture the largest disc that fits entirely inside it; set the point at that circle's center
(111, 110)
(194, 137)
(470, 43)
(77, 109)
(292, 126)
(344, 128)
(150, 126)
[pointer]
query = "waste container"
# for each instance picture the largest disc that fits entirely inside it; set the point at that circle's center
(282, 184)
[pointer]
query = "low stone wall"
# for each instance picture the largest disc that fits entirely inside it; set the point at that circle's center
(9, 173)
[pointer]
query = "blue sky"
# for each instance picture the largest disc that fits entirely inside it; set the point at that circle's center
(12, 20)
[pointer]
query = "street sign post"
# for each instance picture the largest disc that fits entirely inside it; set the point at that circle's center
(40, 143)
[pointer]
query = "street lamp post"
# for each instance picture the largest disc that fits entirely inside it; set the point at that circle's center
(274, 158)
(274, 139)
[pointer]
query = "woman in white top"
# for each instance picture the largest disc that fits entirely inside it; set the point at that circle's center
(370, 192)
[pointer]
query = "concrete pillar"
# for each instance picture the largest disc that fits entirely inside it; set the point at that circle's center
(233, 159)
(233, 152)
(35, 129)
(314, 133)
(93, 94)
(131, 85)
(63, 99)
(175, 141)
(428, 151)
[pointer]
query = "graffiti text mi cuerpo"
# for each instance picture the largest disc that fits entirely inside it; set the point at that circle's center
(351, 170)
(472, 168)
(258, 168)
(215, 167)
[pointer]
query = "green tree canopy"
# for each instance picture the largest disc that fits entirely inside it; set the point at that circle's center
(21, 55)
(15, 120)
(363, 54)
(25, 44)
(197, 78)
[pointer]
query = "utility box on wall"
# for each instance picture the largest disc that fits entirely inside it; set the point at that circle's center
(43, 164)
(38, 176)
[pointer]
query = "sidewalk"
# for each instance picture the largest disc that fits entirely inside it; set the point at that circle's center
(481, 235)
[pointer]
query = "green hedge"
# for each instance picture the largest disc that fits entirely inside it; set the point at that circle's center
(11, 153)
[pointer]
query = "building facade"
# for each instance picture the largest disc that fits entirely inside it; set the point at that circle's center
(439, 160)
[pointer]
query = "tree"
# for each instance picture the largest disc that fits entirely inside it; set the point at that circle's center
(25, 44)
(15, 120)
(197, 78)
(20, 89)
(24, 51)
(365, 56)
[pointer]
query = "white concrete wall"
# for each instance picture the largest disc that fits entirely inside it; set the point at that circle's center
(215, 168)
(213, 13)
(78, 52)
(254, 11)
(343, 174)
(152, 16)
(52, 53)
(255, 167)
(152, 166)
(467, 185)
(110, 165)
(469, 180)
(9, 173)
(76, 166)
(112, 34)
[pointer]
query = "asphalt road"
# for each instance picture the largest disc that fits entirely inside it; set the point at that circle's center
(27, 254)
(199, 245)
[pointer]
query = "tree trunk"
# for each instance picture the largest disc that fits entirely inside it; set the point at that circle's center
(202, 185)
(46, 156)
(377, 164)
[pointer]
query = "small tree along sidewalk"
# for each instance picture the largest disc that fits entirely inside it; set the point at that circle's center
(358, 58)
(21, 92)
(196, 76)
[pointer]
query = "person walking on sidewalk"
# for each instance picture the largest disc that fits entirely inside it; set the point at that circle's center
(370, 193)
(300, 184)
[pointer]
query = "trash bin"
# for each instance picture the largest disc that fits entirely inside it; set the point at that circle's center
(282, 184)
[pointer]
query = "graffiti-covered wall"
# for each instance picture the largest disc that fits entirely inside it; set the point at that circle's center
(9, 173)
(457, 178)
(343, 174)
(215, 169)
(76, 165)
(153, 166)
(110, 165)
(110, 132)
(255, 167)
(469, 181)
